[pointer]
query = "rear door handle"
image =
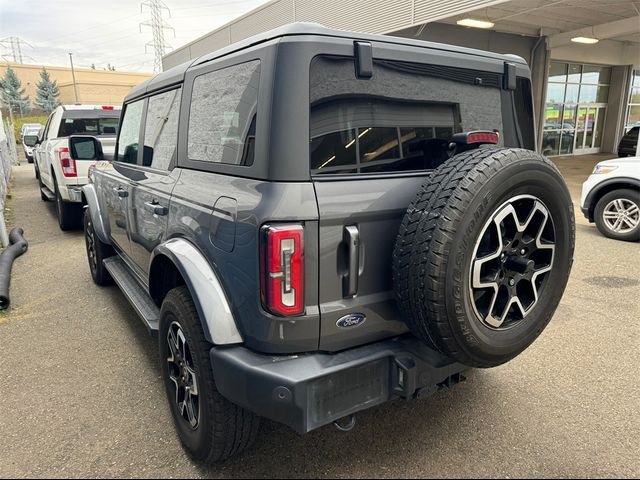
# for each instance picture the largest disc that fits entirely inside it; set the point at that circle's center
(122, 193)
(351, 236)
(156, 208)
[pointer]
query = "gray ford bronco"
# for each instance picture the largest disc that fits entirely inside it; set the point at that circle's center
(317, 221)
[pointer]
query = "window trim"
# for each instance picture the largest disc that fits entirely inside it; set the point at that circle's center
(315, 176)
(143, 123)
(266, 56)
(173, 162)
(194, 164)
(116, 155)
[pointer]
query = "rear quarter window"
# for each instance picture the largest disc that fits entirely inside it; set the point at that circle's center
(222, 116)
(401, 119)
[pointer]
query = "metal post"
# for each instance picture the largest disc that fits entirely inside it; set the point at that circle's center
(73, 75)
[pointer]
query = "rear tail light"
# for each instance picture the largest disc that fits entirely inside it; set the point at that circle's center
(67, 163)
(478, 137)
(282, 273)
(107, 107)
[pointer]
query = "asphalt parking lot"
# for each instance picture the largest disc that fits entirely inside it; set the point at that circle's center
(81, 394)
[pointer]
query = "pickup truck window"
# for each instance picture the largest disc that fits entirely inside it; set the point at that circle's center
(88, 126)
(130, 133)
(161, 129)
(400, 120)
(222, 121)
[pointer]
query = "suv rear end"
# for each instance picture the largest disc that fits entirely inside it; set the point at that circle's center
(321, 235)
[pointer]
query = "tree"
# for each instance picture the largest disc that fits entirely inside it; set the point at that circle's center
(48, 93)
(11, 92)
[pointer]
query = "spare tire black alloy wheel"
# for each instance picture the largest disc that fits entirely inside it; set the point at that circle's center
(512, 257)
(182, 374)
(484, 253)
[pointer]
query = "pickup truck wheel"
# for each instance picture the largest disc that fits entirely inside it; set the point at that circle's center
(97, 251)
(617, 215)
(210, 427)
(483, 267)
(68, 213)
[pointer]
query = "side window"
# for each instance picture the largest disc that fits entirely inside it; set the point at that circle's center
(402, 119)
(130, 133)
(161, 129)
(222, 118)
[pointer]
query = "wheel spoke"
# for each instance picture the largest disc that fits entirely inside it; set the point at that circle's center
(523, 251)
(182, 375)
(191, 414)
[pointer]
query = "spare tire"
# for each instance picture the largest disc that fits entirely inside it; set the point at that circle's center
(484, 254)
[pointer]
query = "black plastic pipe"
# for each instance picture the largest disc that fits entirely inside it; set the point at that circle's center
(18, 245)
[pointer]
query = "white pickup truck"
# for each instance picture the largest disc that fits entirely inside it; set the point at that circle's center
(61, 176)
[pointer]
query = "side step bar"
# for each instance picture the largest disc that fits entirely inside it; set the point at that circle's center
(134, 292)
(48, 193)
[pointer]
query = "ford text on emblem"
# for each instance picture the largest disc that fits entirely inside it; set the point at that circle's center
(351, 320)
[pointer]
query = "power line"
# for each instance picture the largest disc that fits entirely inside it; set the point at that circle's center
(158, 26)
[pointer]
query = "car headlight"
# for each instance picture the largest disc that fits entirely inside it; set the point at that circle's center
(600, 169)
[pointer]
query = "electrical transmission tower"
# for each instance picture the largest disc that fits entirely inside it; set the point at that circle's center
(158, 26)
(14, 45)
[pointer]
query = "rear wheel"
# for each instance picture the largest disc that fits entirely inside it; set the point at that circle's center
(68, 213)
(617, 215)
(210, 427)
(484, 254)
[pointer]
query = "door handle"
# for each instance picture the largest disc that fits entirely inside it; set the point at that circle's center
(122, 193)
(351, 236)
(156, 208)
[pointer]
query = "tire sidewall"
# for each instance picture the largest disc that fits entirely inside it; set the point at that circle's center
(524, 176)
(195, 440)
(634, 196)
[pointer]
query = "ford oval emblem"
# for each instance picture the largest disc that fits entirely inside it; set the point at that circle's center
(351, 320)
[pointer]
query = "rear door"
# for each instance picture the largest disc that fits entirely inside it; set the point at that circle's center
(373, 141)
(155, 178)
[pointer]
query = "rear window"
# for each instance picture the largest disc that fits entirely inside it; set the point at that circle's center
(402, 119)
(222, 117)
(89, 126)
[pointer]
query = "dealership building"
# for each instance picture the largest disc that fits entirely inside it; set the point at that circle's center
(584, 54)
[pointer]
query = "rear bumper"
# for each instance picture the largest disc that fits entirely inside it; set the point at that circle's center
(308, 391)
(71, 193)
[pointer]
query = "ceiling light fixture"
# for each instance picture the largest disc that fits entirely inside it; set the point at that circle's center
(587, 40)
(470, 22)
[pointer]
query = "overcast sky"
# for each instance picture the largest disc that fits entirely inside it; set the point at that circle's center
(106, 31)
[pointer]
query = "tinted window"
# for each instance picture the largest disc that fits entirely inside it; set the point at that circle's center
(88, 126)
(401, 119)
(161, 129)
(130, 133)
(222, 117)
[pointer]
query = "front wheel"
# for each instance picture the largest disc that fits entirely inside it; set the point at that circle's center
(210, 427)
(97, 251)
(617, 215)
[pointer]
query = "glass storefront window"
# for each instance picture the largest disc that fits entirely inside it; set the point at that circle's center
(571, 95)
(558, 72)
(574, 73)
(633, 115)
(595, 75)
(555, 92)
(566, 142)
(573, 92)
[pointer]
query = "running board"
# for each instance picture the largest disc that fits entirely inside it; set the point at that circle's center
(134, 292)
(48, 193)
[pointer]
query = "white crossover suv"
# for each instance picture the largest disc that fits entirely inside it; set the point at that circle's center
(611, 198)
